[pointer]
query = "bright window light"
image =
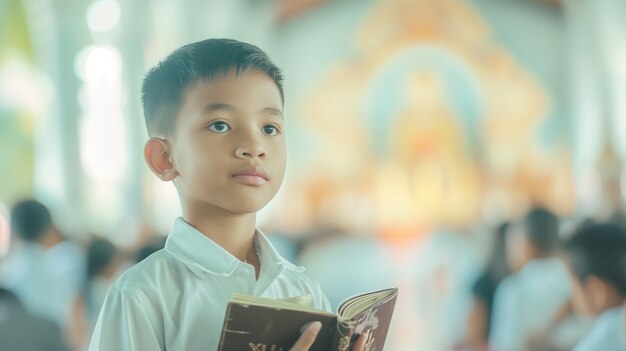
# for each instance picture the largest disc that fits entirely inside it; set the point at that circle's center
(102, 150)
(4, 234)
(103, 15)
(102, 137)
(97, 63)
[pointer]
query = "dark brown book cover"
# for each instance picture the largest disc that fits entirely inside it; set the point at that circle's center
(255, 327)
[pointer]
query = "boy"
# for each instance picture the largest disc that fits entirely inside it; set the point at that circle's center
(526, 301)
(596, 259)
(213, 110)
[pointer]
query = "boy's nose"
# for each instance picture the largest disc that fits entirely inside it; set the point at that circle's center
(251, 151)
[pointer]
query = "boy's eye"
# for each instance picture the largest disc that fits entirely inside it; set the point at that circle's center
(219, 127)
(270, 129)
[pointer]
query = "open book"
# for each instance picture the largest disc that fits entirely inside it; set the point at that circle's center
(263, 324)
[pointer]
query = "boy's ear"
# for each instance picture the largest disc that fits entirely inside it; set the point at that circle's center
(157, 155)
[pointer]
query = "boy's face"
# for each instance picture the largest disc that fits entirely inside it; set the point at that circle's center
(228, 148)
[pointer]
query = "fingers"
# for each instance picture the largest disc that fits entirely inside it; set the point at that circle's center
(307, 338)
(360, 342)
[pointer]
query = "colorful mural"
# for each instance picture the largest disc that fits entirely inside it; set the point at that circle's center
(427, 124)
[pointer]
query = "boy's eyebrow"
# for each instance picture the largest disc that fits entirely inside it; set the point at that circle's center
(273, 111)
(218, 106)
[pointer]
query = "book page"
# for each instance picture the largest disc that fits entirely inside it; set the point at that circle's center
(368, 313)
(302, 303)
(356, 305)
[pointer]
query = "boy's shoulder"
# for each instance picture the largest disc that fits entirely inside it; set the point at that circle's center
(146, 274)
(163, 264)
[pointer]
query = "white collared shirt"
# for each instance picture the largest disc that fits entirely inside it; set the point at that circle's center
(608, 333)
(176, 299)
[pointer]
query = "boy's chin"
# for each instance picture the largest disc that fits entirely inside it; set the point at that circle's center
(247, 207)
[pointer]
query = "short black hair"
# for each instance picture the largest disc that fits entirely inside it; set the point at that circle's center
(542, 229)
(599, 250)
(100, 254)
(163, 86)
(30, 219)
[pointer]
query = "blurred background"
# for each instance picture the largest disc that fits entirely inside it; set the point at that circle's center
(415, 128)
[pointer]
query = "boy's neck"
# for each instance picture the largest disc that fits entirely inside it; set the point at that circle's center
(233, 232)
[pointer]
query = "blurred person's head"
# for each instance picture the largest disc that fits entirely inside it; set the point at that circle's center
(31, 221)
(596, 258)
(536, 236)
(148, 249)
(102, 259)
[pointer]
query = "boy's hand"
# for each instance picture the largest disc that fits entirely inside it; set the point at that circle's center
(307, 338)
(360, 342)
(310, 333)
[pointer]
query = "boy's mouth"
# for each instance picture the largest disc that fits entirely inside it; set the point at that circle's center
(252, 175)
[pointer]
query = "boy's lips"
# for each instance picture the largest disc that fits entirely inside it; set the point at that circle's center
(252, 175)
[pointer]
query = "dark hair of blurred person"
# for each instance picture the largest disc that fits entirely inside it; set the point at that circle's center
(596, 258)
(31, 221)
(535, 237)
(149, 248)
(542, 228)
(22, 330)
(479, 320)
(100, 255)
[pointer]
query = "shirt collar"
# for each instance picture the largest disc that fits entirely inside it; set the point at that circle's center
(202, 255)
(613, 316)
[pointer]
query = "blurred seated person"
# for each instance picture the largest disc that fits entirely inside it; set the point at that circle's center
(104, 264)
(22, 330)
(43, 269)
(527, 301)
(596, 259)
(479, 320)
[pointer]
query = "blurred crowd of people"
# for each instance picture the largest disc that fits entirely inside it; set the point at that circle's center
(549, 289)
(51, 287)
(544, 287)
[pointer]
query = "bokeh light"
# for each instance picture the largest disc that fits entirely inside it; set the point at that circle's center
(103, 15)
(5, 237)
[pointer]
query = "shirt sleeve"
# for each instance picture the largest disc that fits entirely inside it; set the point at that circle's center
(127, 322)
(505, 334)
